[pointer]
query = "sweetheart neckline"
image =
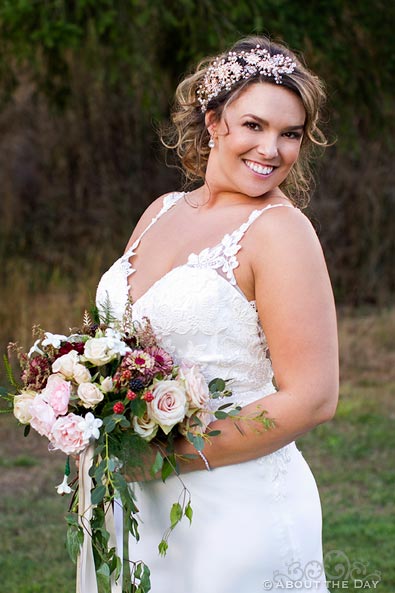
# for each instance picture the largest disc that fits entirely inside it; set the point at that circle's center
(237, 290)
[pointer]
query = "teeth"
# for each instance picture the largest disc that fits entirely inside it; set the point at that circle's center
(259, 168)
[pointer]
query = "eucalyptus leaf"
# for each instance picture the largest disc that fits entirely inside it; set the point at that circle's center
(216, 385)
(220, 415)
(175, 514)
(157, 465)
(167, 469)
(213, 433)
(74, 540)
(189, 512)
(98, 494)
(104, 569)
(163, 547)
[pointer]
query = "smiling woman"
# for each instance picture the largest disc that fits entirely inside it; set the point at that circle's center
(232, 278)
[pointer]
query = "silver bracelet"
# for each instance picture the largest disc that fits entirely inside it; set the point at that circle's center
(208, 468)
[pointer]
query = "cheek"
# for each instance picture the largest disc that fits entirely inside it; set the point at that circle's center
(291, 153)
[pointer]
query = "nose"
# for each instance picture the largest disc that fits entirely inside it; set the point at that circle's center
(267, 146)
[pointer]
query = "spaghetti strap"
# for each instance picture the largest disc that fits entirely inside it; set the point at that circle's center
(222, 256)
(168, 201)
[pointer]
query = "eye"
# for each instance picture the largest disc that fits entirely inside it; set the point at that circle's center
(293, 135)
(252, 125)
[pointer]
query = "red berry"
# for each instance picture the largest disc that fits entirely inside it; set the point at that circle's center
(118, 408)
(148, 397)
(131, 395)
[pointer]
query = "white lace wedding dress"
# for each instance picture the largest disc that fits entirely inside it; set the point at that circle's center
(256, 525)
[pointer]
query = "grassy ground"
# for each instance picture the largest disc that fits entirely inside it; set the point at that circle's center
(351, 457)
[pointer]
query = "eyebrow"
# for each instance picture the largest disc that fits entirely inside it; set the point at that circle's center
(263, 121)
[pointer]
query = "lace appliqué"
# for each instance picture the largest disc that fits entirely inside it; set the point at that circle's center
(223, 256)
(277, 463)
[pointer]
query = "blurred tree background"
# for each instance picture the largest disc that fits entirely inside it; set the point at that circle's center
(84, 85)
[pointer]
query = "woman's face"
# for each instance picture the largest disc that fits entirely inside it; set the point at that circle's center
(257, 140)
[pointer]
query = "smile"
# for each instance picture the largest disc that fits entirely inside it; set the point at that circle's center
(260, 169)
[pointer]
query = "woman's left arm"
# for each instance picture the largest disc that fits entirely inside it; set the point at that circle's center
(296, 308)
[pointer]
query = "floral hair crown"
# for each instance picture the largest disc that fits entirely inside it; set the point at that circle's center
(225, 72)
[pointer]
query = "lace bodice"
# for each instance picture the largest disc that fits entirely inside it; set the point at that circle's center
(199, 313)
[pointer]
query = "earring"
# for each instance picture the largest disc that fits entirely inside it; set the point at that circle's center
(211, 142)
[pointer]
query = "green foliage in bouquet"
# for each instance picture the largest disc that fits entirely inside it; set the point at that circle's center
(109, 395)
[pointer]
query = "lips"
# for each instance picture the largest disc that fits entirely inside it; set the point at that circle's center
(258, 168)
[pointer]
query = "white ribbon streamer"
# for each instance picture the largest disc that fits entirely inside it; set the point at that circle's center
(86, 572)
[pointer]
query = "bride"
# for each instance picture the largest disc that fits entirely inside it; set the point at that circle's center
(232, 278)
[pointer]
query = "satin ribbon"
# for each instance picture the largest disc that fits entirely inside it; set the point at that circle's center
(86, 572)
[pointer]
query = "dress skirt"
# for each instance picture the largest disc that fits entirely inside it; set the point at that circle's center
(256, 527)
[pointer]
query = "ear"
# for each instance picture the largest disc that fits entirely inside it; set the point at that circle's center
(211, 122)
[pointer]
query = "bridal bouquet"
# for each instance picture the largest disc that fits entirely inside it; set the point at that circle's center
(117, 400)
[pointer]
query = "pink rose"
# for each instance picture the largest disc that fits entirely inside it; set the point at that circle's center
(169, 404)
(196, 388)
(57, 394)
(68, 435)
(42, 416)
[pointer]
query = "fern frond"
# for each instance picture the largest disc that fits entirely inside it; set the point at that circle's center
(8, 370)
(87, 320)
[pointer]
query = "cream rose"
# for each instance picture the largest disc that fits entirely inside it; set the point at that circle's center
(169, 404)
(107, 385)
(65, 364)
(196, 388)
(81, 374)
(145, 427)
(98, 351)
(22, 403)
(89, 394)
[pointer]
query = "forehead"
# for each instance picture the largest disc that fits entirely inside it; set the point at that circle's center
(269, 101)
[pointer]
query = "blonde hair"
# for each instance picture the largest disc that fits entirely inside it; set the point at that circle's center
(189, 137)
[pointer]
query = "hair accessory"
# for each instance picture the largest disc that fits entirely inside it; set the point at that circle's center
(225, 72)
(211, 142)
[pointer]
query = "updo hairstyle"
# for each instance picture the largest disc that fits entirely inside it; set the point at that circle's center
(188, 134)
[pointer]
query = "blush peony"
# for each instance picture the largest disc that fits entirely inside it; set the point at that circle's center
(57, 394)
(42, 416)
(68, 435)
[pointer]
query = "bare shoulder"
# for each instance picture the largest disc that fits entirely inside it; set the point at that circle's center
(284, 233)
(149, 213)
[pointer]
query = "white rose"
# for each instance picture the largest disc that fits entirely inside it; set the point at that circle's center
(169, 404)
(81, 373)
(97, 351)
(65, 364)
(196, 388)
(89, 394)
(145, 427)
(107, 385)
(22, 403)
